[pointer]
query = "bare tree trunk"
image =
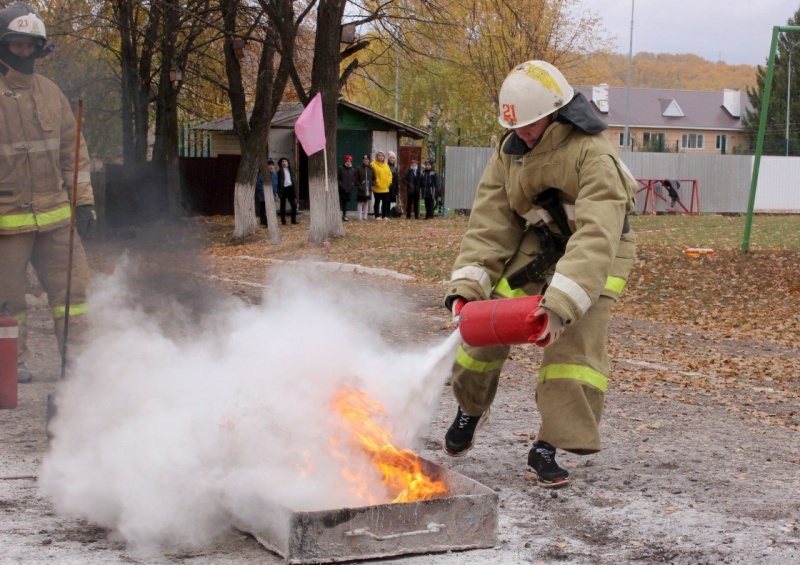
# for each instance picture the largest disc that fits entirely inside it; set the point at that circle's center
(244, 209)
(326, 217)
(326, 221)
(269, 200)
(254, 132)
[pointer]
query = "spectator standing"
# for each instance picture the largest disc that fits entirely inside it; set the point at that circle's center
(274, 177)
(346, 178)
(38, 133)
(365, 181)
(554, 186)
(286, 188)
(383, 179)
(260, 202)
(395, 185)
(429, 187)
(411, 182)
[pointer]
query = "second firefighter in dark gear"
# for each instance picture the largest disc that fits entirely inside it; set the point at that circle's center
(552, 171)
(39, 131)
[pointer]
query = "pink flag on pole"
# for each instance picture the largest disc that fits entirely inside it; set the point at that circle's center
(310, 127)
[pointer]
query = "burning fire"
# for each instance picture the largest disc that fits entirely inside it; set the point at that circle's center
(400, 468)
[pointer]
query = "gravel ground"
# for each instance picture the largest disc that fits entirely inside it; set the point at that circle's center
(682, 479)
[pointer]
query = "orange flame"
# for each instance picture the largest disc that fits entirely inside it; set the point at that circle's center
(400, 468)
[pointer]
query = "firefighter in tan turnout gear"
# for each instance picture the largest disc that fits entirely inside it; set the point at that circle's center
(549, 217)
(37, 159)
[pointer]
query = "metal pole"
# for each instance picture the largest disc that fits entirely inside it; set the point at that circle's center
(78, 120)
(625, 136)
(788, 96)
(397, 82)
(788, 93)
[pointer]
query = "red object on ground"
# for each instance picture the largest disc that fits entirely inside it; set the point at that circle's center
(506, 321)
(9, 332)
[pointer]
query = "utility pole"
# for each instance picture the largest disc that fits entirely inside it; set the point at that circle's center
(626, 141)
(788, 92)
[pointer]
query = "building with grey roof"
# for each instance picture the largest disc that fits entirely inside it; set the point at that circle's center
(668, 120)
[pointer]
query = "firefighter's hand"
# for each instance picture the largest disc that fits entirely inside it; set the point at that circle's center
(85, 220)
(552, 326)
(455, 308)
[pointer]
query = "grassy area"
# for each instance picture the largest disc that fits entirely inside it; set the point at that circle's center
(755, 293)
(719, 232)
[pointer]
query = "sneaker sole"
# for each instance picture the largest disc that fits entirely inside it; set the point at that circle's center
(532, 475)
(482, 422)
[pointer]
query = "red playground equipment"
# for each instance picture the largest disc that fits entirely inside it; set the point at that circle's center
(654, 189)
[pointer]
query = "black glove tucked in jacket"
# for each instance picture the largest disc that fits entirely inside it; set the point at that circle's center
(85, 220)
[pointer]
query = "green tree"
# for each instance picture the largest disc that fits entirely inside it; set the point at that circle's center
(785, 80)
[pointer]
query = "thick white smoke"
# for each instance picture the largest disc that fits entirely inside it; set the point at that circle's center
(171, 429)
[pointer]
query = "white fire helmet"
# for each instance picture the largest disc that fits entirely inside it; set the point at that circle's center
(533, 90)
(20, 20)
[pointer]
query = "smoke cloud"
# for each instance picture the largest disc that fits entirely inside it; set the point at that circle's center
(174, 426)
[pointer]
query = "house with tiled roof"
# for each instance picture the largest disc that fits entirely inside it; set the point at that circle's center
(661, 119)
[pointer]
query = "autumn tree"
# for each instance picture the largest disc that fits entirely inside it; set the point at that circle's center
(456, 57)
(243, 22)
(331, 66)
(84, 70)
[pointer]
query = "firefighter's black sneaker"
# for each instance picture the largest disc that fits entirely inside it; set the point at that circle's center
(542, 466)
(460, 437)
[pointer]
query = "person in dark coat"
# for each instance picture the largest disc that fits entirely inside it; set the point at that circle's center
(411, 182)
(347, 178)
(286, 189)
(429, 187)
(365, 180)
(394, 188)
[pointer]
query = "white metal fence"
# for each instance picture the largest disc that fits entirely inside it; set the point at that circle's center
(724, 180)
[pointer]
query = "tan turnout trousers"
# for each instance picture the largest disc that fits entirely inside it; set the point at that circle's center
(48, 252)
(574, 373)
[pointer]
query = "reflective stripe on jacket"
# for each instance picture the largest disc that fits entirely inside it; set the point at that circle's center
(37, 148)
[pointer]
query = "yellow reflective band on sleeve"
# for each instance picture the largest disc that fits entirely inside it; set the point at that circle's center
(74, 310)
(57, 215)
(615, 284)
(504, 289)
(576, 372)
(17, 221)
(470, 364)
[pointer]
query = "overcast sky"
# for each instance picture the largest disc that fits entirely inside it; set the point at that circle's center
(733, 31)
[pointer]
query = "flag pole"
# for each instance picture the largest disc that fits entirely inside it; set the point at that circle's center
(325, 157)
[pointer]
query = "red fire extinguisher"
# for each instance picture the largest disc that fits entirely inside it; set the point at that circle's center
(506, 321)
(9, 332)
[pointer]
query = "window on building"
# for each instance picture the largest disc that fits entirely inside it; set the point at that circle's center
(722, 142)
(653, 141)
(692, 141)
(622, 139)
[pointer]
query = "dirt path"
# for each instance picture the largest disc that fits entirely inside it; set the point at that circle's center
(688, 475)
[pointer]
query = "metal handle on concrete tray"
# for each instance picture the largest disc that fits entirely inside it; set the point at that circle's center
(432, 528)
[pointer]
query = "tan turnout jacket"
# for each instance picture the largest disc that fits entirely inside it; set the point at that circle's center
(37, 148)
(597, 192)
